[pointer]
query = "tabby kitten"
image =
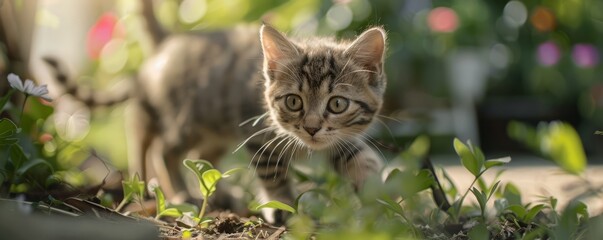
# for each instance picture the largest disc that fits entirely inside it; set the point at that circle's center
(321, 94)
(315, 94)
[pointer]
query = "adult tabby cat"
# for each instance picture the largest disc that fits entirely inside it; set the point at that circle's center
(191, 96)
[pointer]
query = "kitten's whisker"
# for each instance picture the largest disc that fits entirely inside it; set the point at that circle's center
(346, 145)
(292, 78)
(256, 118)
(291, 71)
(391, 134)
(280, 155)
(297, 143)
(274, 148)
(360, 136)
(359, 70)
(342, 70)
(252, 136)
(390, 118)
(264, 146)
(340, 152)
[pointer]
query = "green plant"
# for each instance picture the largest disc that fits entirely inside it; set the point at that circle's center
(20, 155)
(133, 189)
(474, 161)
(557, 141)
(208, 178)
(560, 143)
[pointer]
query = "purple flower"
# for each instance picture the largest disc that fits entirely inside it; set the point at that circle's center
(548, 54)
(585, 55)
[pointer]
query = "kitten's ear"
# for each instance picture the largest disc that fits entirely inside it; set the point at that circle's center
(275, 46)
(368, 49)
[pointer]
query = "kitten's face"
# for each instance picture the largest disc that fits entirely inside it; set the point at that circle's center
(322, 92)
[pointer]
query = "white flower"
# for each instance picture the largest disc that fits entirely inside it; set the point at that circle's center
(29, 87)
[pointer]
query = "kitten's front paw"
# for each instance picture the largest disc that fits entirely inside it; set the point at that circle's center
(276, 216)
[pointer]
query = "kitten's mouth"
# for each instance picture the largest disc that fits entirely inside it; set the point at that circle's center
(314, 143)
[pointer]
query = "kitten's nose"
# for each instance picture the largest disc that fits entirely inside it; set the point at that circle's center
(312, 130)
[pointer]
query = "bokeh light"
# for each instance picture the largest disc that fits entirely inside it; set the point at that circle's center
(585, 55)
(543, 19)
(114, 55)
(548, 54)
(442, 19)
(339, 16)
(100, 34)
(515, 13)
(500, 56)
(191, 11)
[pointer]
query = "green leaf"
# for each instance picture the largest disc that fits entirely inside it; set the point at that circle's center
(562, 143)
(170, 212)
(391, 205)
(209, 179)
(8, 141)
(478, 154)
(133, 187)
(197, 166)
(518, 210)
(277, 205)
(31, 164)
(185, 207)
(231, 172)
(188, 219)
(497, 162)
(17, 156)
(492, 189)
(206, 182)
(206, 220)
(318, 191)
(5, 99)
(512, 194)
(481, 198)
(467, 158)
(8, 128)
(160, 197)
(420, 146)
(479, 232)
(532, 213)
(409, 183)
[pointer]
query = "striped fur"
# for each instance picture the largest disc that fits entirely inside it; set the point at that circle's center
(316, 72)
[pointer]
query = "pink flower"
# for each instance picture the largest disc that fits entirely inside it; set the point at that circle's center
(100, 34)
(548, 53)
(442, 19)
(585, 55)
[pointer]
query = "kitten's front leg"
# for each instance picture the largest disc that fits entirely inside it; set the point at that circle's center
(355, 160)
(271, 168)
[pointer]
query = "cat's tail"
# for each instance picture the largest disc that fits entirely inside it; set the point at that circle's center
(83, 94)
(156, 31)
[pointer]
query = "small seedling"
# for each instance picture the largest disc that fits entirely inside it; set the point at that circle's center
(474, 161)
(132, 188)
(161, 204)
(208, 178)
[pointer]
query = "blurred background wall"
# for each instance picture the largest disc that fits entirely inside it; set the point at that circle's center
(456, 68)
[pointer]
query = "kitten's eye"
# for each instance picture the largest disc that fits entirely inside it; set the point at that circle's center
(293, 102)
(338, 104)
